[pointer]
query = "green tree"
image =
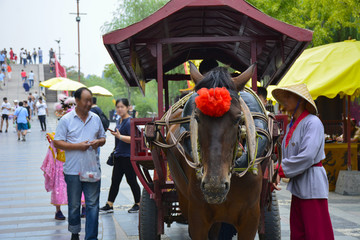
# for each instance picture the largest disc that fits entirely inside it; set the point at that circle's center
(131, 11)
(331, 20)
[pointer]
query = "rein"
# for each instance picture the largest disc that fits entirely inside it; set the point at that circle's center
(195, 163)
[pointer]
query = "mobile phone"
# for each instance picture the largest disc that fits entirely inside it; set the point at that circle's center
(110, 130)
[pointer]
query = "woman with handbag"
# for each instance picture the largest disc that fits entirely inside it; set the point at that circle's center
(122, 164)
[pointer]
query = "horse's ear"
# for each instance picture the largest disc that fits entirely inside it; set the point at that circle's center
(195, 75)
(244, 77)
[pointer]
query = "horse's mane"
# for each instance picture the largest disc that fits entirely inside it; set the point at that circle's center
(217, 77)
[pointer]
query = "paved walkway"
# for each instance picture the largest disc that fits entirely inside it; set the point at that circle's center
(26, 212)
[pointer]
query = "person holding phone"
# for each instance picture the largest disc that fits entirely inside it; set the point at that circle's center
(122, 164)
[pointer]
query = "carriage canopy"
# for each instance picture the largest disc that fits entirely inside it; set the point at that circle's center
(232, 32)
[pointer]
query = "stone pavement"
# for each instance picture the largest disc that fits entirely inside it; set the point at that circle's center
(26, 212)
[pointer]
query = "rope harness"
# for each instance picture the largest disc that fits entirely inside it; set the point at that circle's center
(152, 133)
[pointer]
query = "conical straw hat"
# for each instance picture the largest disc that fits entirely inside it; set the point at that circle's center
(298, 89)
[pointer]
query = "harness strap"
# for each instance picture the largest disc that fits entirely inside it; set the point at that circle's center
(195, 164)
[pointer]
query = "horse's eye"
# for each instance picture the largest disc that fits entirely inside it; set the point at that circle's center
(237, 120)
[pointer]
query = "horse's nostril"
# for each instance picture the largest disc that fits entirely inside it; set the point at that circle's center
(226, 186)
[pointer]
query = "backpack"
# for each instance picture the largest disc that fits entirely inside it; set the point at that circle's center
(104, 120)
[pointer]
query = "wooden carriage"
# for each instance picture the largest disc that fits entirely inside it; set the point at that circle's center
(234, 33)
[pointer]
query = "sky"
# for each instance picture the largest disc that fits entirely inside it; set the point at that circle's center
(38, 23)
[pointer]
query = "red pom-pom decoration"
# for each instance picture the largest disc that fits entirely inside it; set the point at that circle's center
(213, 102)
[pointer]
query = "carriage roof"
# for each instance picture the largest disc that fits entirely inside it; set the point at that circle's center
(232, 32)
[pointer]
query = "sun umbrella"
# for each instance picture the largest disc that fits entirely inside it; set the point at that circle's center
(100, 91)
(66, 85)
(52, 81)
(328, 70)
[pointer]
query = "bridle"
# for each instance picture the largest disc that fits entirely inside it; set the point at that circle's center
(195, 161)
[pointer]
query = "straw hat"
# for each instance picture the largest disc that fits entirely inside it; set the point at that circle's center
(298, 89)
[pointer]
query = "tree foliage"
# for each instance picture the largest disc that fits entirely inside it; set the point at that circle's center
(131, 11)
(331, 20)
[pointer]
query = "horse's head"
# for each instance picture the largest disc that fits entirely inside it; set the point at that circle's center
(217, 128)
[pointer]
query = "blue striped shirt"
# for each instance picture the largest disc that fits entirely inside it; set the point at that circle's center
(72, 129)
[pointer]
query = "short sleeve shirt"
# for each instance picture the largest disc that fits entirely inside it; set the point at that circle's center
(21, 113)
(41, 108)
(31, 75)
(72, 129)
(5, 110)
(122, 149)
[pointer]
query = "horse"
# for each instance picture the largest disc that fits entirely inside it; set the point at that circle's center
(209, 192)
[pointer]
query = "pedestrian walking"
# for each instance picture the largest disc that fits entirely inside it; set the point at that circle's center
(3, 67)
(31, 104)
(31, 79)
(40, 53)
(23, 75)
(79, 132)
(302, 152)
(51, 56)
(5, 112)
(2, 79)
(34, 54)
(122, 164)
(9, 72)
(21, 118)
(21, 55)
(11, 55)
(26, 105)
(26, 84)
(24, 57)
(36, 97)
(2, 57)
(42, 112)
(28, 57)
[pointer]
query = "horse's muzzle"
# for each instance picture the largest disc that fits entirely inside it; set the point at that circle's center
(215, 193)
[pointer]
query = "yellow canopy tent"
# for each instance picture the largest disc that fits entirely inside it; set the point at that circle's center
(329, 70)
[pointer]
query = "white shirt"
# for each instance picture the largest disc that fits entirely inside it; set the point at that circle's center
(41, 108)
(5, 110)
(31, 75)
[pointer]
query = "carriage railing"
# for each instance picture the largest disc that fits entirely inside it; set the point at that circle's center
(144, 160)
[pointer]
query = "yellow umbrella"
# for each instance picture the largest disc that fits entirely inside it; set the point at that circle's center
(328, 70)
(48, 83)
(67, 85)
(98, 90)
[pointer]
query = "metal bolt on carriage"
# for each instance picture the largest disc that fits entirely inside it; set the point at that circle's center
(232, 32)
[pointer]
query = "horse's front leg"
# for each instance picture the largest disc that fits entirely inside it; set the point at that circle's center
(249, 224)
(198, 225)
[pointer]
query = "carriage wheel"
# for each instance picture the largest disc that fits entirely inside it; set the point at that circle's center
(148, 218)
(272, 221)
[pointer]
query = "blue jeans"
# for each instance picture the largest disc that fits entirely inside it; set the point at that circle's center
(31, 82)
(92, 193)
(40, 59)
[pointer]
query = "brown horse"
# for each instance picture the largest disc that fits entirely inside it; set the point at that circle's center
(212, 194)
